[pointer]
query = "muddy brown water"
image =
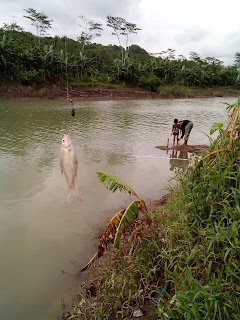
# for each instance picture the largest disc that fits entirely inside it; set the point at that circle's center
(40, 235)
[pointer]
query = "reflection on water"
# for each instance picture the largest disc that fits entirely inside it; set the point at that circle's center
(178, 159)
(39, 234)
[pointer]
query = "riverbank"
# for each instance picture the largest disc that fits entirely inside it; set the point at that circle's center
(112, 276)
(185, 264)
(113, 92)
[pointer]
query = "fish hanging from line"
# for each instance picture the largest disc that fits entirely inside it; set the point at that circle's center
(69, 165)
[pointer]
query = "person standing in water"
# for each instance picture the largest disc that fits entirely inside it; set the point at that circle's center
(175, 132)
(186, 127)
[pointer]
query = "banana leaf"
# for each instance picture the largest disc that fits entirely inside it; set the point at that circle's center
(112, 183)
(106, 238)
(129, 216)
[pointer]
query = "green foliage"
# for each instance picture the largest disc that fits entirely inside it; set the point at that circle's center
(123, 64)
(129, 216)
(238, 80)
(237, 60)
(129, 279)
(113, 183)
(80, 83)
(12, 27)
(136, 50)
(122, 29)
(90, 31)
(151, 83)
(28, 77)
(203, 253)
(131, 213)
(216, 126)
(39, 20)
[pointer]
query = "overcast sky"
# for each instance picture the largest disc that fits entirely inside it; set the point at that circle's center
(209, 27)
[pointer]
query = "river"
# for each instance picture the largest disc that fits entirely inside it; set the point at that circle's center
(40, 235)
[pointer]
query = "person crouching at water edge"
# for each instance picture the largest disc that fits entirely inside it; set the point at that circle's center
(175, 131)
(186, 127)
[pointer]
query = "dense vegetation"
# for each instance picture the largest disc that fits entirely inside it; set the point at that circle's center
(192, 245)
(27, 59)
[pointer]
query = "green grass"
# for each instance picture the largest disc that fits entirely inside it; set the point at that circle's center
(131, 278)
(87, 83)
(180, 91)
(204, 258)
(176, 91)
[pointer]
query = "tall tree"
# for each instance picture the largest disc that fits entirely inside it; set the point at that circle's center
(122, 28)
(39, 20)
(12, 27)
(194, 56)
(90, 31)
(237, 60)
(168, 54)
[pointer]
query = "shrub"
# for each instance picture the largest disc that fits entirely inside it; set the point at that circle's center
(152, 83)
(28, 77)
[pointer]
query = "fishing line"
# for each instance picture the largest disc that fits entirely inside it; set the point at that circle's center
(159, 157)
(66, 65)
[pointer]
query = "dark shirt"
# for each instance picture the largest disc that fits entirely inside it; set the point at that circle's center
(183, 126)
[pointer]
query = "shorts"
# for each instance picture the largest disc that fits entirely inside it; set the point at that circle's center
(188, 129)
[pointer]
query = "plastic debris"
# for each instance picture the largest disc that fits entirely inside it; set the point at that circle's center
(137, 313)
(178, 299)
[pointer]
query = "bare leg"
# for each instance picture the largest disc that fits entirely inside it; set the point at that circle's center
(174, 137)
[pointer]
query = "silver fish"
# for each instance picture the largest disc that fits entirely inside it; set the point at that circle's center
(69, 165)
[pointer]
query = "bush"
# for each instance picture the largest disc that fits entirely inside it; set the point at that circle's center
(28, 77)
(105, 78)
(81, 83)
(152, 83)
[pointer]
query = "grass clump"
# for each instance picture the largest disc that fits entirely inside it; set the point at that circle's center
(193, 242)
(177, 91)
(204, 257)
(180, 91)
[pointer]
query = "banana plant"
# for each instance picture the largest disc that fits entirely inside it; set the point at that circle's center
(84, 63)
(112, 183)
(121, 220)
(47, 59)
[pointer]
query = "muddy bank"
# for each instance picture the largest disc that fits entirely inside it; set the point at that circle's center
(60, 92)
(54, 91)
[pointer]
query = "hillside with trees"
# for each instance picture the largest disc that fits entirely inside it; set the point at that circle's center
(27, 59)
